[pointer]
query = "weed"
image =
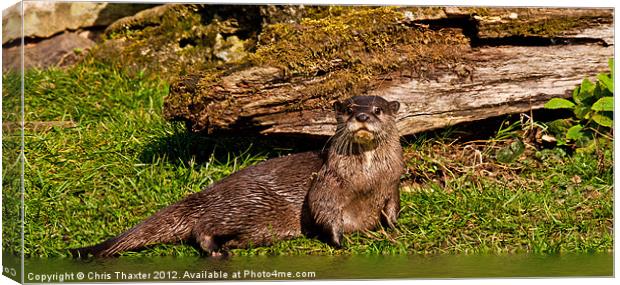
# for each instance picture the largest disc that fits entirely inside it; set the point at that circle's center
(592, 105)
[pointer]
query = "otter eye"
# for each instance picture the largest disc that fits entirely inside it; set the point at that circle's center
(377, 110)
(349, 111)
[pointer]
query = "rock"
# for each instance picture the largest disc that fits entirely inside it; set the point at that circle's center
(62, 50)
(229, 49)
(283, 13)
(45, 19)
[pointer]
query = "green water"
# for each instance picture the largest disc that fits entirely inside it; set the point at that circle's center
(315, 267)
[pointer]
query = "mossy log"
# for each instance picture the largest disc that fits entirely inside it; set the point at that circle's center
(445, 66)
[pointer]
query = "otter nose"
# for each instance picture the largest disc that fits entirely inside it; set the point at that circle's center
(362, 117)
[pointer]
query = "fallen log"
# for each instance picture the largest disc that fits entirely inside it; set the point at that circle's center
(457, 67)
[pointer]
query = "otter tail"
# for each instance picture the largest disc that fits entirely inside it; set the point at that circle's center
(171, 224)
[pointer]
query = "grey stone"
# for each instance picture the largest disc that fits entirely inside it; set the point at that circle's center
(62, 50)
(45, 19)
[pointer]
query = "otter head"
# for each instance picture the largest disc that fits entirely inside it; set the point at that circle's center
(366, 120)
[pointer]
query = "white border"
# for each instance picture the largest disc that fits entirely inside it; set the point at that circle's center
(521, 3)
(531, 3)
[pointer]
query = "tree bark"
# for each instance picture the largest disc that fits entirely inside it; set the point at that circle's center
(505, 69)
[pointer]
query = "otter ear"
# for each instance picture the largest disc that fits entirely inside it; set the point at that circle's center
(394, 106)
(338, 107)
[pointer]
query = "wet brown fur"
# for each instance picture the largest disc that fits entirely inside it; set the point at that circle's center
(357, 187)
(267, 202)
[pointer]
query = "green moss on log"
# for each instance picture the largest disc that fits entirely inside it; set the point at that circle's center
(172, 40)
(542, 28)
(323, 59)
(527, 22)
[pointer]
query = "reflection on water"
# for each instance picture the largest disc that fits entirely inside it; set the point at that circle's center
(316, 267)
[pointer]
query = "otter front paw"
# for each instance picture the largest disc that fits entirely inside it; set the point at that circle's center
(336, 235)
(391, 220)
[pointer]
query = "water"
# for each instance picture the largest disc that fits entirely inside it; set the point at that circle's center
(316, 267)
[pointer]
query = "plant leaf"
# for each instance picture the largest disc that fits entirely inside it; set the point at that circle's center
(601, 91)
(574, 132)
(604, 104)
(587, 86)
(576, 97)
(611, 67)
(582, 96)
(517, 147)
(559, 103)
(511, 152)
(581, 112)
(559, 127)
(603, 120)
(606, 81)
(504, 155)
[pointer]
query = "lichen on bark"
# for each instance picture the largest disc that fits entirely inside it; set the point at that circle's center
(535, 22)
(172, 40)
(315, 62)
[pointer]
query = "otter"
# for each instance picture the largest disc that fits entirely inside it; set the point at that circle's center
(358, 185)
(320, 194)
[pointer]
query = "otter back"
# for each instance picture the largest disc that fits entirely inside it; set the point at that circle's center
(255, 206)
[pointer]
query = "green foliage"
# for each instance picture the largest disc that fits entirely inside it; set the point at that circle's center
(574, 132)
(511, 152)
(592, 105)
(545, 206)
(559, 103)
(508, 152)
(604, 104)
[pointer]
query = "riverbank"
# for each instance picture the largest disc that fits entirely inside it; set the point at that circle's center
(100, 158)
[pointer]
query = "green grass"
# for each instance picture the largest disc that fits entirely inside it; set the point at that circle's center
(122, 161)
